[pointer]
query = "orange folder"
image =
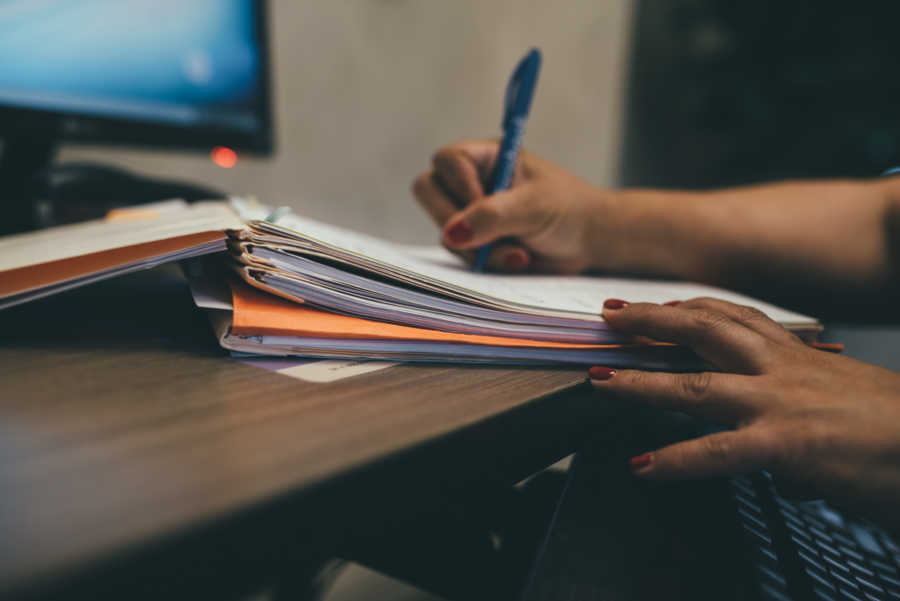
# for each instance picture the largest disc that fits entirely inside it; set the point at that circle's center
(257, 313)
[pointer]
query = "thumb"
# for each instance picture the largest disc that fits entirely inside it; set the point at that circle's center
(720, 454)
(510, 213)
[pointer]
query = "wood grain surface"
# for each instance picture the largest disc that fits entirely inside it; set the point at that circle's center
(121, 422)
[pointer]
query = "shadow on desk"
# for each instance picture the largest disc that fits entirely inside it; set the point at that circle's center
(143, 311)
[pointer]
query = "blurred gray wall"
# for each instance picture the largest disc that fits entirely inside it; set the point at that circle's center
(366, 90)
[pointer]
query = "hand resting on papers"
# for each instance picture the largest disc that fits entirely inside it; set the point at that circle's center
(824, 424)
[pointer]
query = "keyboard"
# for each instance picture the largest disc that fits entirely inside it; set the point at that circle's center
(810, 551)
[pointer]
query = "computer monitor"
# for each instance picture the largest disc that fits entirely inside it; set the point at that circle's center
(167, 73)
(177, 74)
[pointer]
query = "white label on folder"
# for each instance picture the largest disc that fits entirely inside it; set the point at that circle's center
(333, 370)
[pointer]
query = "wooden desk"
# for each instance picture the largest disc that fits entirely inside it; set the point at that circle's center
(136, 459)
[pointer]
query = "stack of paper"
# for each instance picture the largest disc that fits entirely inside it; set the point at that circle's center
(369, 298)
(251, 322)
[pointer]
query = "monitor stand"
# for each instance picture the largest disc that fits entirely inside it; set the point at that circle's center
(36, 193)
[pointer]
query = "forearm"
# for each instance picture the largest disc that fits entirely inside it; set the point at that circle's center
(832, 235)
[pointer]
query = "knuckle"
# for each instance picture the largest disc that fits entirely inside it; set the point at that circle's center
(706, 320)
(695, 387)
(717, 448)
(751, 314)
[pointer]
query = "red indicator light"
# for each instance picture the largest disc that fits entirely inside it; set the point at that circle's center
(223, 157)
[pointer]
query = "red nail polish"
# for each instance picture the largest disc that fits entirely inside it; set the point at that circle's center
(614, 303)
(640, 462)
(601, 373)
(515, 260)
(459, 233)
(672, 303)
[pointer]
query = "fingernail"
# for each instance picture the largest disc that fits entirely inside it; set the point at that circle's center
(515, 260)
(672, 303)
(601, 373)
(640, 462)
(459, 233)
(614, 303)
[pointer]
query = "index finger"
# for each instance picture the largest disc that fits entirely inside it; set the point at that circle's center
(714, 336)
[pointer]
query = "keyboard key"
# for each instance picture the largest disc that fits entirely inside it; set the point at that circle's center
(844, 540)
(823, 594)
(800, 531)
(760, 535)
(848, 595)
(771, 593)
(812, 561)
(745, 486)
(825, 547)
(821, 534)
(753, 519)
(851, 553)
(867, 540)
(803, 545)
(836, 566)
(845, 581)
(814, 521)
(860, 569)
(820, 579)
(890, 580)
(871, 597)
(884, 568)
(767, 553)
(893, 594)
(747, 503)
(868, 584)
(793, 519)
(787, 506)
(772, 575)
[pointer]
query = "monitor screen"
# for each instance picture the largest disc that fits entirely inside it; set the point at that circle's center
(149, 72)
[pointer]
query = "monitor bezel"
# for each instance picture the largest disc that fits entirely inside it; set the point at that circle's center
(63, 126)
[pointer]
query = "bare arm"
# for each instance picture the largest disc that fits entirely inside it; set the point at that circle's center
(819, 235)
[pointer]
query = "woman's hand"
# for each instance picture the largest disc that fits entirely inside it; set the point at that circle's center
(544, 222)
(825, 424)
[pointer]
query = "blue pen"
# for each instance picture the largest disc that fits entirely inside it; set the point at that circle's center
(517, 103)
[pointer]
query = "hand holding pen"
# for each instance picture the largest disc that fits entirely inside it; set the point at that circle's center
(507, 212)
(524, 212)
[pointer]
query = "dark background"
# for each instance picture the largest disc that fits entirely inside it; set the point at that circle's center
(725, 93)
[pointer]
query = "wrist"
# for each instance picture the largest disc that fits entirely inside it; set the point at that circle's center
(648, 232)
